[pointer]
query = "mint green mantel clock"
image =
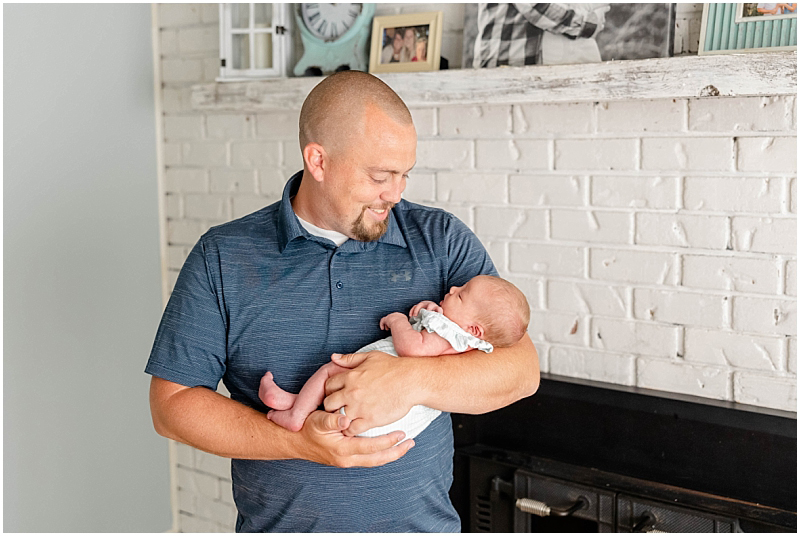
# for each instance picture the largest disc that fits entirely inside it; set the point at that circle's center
(334, 35)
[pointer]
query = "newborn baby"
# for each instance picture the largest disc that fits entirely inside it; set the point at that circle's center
(486, 312)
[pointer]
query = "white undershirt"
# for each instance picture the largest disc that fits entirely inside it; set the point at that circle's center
(334, 236)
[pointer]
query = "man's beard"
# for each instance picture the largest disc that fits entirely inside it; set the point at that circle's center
(360, 230)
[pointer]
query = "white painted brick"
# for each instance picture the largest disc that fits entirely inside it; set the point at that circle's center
(444, 154)
(187, 502)
(198, 483)
(279, 126)
(230, 126)
(173, 206)
(184, 453)
(761, 315)
(473, 121)
(679, 307)
(546, 260)
(593, 365)
(183, 128)
(564, 328)
(190, 523)
(424, 121)
(209, 12)
(177, 99)
(680, 230)
(696, 154)
(172, 276)
(543, 350)
(552, 190)
(271, 182)
(530, 286)
(292, 158)
(207, 207)
(676, 377)
(462, 187)
(792, 357)
(595, 154)
(731, 273)
(770, 391)
(638, 192)
(420, 187)
(255, 154)
(205, 154)
(497, 252)
(633, 266)
(178, 180)
(176, 256)
(181, 70)
(793, 195)
(732, 349)
(169, 42)
(178, 14)
(639, 338)
(226, 181)
(591, 226)
(217, 511)
(173, 154)
(765, 235)
(512, 154)
(215, 465)
(587, 298)
(791, 278)
(542, 118)
(184, 232)
(242, 206)
(662, 115)
(199, 40)
(510, 223)
(767, 154)
(733, 194)
(740, 114)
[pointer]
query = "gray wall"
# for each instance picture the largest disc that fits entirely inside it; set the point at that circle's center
(82, 291)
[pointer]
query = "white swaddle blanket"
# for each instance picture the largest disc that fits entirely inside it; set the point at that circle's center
(419, 417)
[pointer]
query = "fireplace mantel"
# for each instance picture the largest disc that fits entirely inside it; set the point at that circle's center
(761, 74)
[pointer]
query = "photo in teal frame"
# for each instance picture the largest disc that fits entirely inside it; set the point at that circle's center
(721, 34)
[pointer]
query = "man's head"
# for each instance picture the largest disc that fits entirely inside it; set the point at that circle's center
(489, 308)
(358, 143)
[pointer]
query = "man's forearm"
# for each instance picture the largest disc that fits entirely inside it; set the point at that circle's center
(476, 382)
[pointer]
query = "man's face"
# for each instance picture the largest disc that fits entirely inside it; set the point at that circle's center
(397, 44)
(366, 178)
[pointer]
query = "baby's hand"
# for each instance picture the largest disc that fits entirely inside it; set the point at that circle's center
(388, 320)
(428, 305)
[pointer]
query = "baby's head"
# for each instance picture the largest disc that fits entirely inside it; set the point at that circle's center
(489, 308)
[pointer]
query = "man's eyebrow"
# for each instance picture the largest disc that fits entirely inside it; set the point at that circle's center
(386, 170)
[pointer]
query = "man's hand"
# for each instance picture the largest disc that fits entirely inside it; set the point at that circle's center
(429, 305)
(388, 397)
(326, 444)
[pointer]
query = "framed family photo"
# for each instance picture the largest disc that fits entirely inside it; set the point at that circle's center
(406, 43)
(737, 28)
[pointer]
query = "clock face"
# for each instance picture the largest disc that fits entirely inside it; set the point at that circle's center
(329, 21)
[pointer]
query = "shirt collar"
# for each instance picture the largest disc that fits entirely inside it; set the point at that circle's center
(289, 227)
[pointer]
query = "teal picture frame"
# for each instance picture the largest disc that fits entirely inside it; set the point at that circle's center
(720, 33)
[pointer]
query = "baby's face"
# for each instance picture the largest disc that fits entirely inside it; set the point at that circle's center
(462, 304)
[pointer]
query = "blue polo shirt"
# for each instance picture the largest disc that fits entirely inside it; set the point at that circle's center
(261, 294)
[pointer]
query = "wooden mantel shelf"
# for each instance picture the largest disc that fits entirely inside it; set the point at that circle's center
(762, 74)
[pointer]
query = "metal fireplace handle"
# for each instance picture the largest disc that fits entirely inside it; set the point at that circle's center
(647, 524)
(532, 506)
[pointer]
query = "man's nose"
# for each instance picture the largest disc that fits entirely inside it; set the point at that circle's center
(395, 191)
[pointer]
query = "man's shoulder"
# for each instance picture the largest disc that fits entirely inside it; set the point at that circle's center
(428, 219)
(260, 224)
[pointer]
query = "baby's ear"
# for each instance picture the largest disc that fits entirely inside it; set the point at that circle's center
(476, 330)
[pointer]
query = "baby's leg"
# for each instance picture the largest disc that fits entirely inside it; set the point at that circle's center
(307, 400)
(273, 396)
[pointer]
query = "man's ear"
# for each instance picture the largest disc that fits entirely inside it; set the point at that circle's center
(476, 330)
(315, 157)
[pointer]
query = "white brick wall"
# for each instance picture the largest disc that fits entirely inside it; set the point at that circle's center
(655, 240)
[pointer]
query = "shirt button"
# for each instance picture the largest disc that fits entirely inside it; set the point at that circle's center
(339, 284)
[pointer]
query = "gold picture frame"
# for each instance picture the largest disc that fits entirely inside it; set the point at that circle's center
(406, 43)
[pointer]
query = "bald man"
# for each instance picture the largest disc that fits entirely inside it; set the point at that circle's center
(286, 288)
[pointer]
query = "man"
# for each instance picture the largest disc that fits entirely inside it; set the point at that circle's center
(285, 287)
(513, 34)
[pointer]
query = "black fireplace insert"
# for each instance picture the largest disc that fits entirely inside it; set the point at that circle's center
(583, 456)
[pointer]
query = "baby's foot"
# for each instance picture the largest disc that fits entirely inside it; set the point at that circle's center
(286, 419)
(272, 395)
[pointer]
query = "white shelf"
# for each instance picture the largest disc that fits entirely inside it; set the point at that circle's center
(761, 74)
